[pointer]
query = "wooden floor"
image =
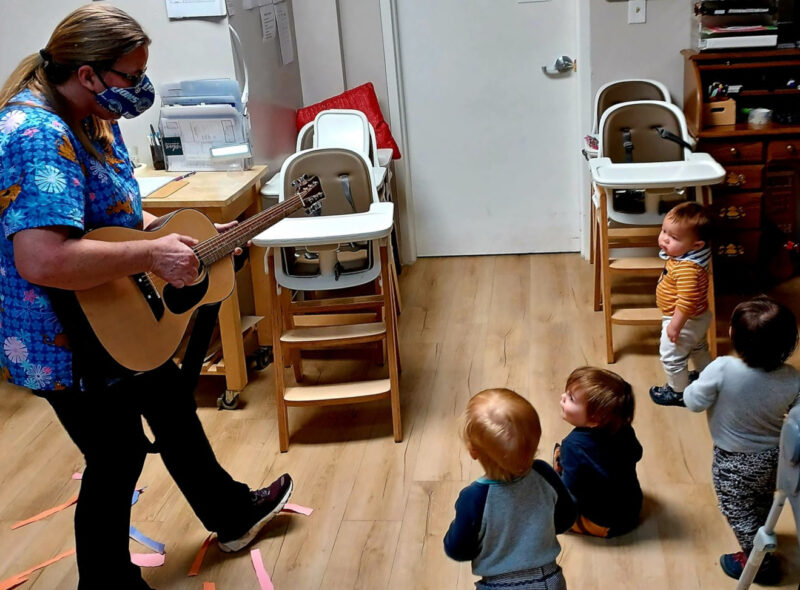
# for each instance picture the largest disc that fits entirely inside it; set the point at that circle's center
(381, 508)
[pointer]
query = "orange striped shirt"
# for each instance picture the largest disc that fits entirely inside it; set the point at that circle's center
(683, 285)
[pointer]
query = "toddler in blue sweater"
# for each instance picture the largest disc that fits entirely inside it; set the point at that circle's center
(597, 460)
(506, 522)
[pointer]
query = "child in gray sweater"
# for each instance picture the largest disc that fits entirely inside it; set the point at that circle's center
(506, 522)
(746, 399)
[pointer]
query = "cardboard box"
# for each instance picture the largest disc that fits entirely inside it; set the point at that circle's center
(721, 112)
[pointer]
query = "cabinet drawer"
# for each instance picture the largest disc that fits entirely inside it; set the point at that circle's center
(784, 149)
(735, 248)
(743, 177)
(735, 151)
(737, 211)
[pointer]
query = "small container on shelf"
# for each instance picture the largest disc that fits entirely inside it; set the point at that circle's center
(720, 112)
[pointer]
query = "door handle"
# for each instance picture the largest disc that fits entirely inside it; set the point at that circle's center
(563, 64)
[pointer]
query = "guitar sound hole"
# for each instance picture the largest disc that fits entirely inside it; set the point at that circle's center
(182, 300)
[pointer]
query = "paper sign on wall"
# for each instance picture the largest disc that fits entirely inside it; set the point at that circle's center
(248, 4)
(268, 25)
(285, 33)
(192, 8)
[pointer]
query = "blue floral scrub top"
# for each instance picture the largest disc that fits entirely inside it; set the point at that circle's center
(47, 178)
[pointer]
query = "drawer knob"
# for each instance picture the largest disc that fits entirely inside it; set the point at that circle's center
(734, 152)
(732, 213)
(791, 149)
(735, 179)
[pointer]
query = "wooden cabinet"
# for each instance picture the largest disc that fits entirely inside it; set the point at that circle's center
(756, 207)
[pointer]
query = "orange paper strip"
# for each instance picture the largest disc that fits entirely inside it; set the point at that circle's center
(21, 577)
(198, 559)
(12, 582)
(46, 513)
(208, 586)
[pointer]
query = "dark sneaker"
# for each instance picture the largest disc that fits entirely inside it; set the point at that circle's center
(666, 396)
(267, 503)
(768, 574)
(693, 375)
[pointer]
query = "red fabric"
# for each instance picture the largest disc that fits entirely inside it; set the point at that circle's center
(361, 98)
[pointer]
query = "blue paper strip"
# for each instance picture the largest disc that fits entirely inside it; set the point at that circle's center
(137, 535)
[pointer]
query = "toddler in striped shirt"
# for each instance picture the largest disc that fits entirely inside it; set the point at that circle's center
(682, 296)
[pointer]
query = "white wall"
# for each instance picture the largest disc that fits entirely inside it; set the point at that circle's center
(275, 93)
(362, 47)
(319, 49)
(648, 50)
(181, 49)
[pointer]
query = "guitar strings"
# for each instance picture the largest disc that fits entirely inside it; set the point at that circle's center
(236, 234)
(220, 242)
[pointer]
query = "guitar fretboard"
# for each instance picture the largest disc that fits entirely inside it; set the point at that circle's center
(216, 248)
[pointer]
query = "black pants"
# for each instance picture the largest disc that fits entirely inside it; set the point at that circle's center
(107, 427)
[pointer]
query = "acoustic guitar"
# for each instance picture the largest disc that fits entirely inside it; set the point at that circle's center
(141, 319)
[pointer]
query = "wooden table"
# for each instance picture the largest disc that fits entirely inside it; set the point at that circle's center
(224, 197)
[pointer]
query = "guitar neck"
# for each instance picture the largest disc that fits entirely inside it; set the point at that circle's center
(216, 248)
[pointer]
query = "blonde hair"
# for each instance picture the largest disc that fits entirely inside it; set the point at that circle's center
(502, 429)
(693, 216)
(609, 398)
(96, 35)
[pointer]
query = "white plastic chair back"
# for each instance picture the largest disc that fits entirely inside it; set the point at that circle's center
(626, 90)
(344, 128)
(305, 138)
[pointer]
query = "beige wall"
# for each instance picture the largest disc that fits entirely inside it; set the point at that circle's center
(648, 50)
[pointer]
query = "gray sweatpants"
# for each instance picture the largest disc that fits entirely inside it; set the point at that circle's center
(692, 343)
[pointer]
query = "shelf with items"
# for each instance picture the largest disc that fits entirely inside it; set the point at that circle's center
(756, 208)
(732, 24)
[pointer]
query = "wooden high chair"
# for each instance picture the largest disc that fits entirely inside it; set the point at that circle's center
(644, 148)
(310, 261)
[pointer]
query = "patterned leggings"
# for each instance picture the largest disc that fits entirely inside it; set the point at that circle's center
(745, 485)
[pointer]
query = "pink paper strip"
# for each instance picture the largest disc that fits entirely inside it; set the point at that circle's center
(261, 573)
(148, 559)
(296, 508)
(77, 475)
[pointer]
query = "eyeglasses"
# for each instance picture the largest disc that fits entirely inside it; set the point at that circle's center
(134, 79)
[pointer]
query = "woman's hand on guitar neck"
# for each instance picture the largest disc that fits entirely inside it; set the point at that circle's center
(173, 259)
(223, 227)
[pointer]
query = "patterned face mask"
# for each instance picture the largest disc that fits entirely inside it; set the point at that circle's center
(127, 102)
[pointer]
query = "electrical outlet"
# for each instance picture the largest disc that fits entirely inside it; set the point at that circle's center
(637, 11)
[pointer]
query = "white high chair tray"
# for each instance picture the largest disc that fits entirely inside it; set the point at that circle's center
(700, 169)
(329, 229)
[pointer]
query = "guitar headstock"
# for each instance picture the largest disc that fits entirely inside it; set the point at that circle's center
(309, 190)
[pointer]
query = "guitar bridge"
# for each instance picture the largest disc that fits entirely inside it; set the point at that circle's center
(150, 294)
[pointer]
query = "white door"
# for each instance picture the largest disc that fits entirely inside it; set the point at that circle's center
(492, 141)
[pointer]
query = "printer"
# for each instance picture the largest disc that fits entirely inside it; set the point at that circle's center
(204, 125)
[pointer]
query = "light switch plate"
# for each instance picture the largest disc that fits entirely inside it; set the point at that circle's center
(637, 11)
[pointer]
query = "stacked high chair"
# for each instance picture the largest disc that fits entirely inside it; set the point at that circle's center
(644, 160)
(311, 262)
(608, 95)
